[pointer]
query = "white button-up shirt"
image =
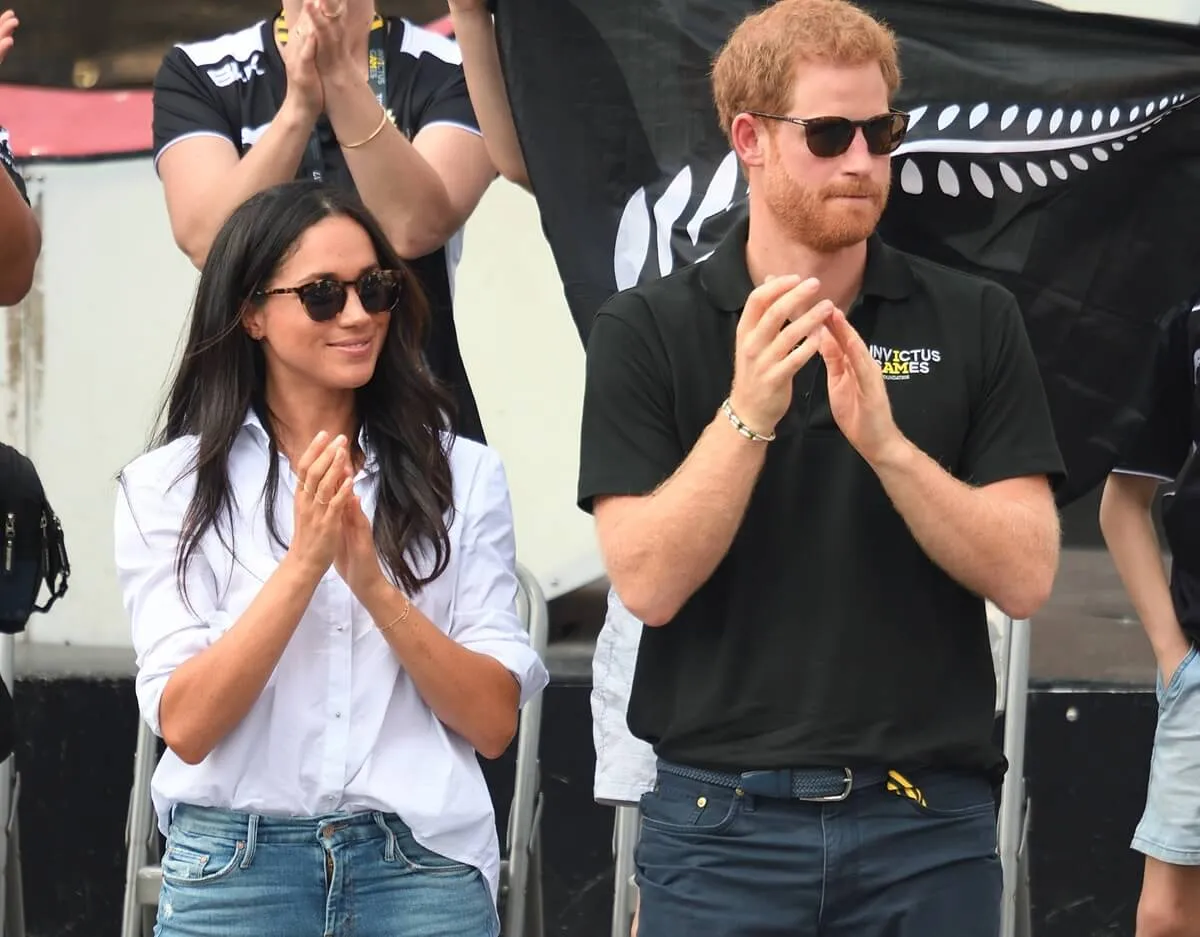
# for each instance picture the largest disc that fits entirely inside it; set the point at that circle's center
(339, 727)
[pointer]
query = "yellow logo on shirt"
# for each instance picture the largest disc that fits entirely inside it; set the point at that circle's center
(902, 364)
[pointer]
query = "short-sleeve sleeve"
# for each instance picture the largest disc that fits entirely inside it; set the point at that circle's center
(10, 164)
(485, 618)
(186, 104)
(1164, 441)
(629, 440)
(1011, 433)
(440, 93)
(166, 630)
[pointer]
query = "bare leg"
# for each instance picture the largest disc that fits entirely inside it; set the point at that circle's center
(1170, 902)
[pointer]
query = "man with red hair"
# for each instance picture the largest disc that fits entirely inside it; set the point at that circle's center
(811, 458)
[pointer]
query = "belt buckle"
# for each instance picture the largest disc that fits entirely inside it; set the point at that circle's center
(847, 786)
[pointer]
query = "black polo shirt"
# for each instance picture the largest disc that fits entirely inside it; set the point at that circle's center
(232, 87)
(1165, 449)
(826, 636)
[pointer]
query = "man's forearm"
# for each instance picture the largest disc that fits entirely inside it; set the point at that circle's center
(394, 181)
(1001, 548)
(20, 244)
(476, 36)
(661, 547)
(208, 695)
(274, 159)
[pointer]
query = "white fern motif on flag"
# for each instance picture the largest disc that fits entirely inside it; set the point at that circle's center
(1026, 155)
(1091, 138)
(642, 224)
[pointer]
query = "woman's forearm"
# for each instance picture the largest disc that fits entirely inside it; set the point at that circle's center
(208, 695)
(471, 693)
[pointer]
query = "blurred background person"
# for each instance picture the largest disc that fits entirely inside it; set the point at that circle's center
(20, 235)
(336, 93)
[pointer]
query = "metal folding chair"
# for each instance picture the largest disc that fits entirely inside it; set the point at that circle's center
(626, 827)
(1016, 912)
(521, 868)
(1011, 654)
(521, 893)
(12, 896)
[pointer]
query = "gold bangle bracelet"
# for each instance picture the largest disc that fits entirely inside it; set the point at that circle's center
(399, 618)
(376, 132)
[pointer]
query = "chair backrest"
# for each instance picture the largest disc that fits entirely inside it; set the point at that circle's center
(521, 876)
(999, 631)
(533, 610)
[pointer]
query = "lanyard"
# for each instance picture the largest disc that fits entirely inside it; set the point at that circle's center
(314, 157)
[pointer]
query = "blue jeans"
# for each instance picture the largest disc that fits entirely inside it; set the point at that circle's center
(229, 874)
(718, 863)
(1169, 830)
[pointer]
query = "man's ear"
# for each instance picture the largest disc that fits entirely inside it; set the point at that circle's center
(749, 136)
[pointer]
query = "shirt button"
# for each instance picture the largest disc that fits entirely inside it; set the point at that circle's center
(337, 715)
(340, 627)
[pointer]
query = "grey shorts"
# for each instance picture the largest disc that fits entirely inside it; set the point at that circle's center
(1170, 826)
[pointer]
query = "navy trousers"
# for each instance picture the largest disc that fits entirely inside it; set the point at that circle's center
(713, 862)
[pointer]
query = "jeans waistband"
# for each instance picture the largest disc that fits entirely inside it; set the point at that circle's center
(809, 784)
(264, 828)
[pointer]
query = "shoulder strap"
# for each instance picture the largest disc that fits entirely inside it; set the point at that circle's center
(55, 565)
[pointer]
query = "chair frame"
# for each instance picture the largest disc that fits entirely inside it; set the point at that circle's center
(12, 895)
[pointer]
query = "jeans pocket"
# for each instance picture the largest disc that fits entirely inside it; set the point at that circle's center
(676, 805)
(195, 860)
(1170, 689)
(950, 796)
(419, 858)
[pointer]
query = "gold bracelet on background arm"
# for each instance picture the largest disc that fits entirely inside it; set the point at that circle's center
(374, 133)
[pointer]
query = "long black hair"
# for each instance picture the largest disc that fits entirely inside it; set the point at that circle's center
(402, 410)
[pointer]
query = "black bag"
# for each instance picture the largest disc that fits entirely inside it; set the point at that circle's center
(32, 549)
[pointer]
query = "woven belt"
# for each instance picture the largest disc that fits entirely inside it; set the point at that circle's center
(822, 785)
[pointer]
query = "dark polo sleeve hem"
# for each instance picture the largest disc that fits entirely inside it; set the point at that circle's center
(185, 104)
(603, 488)
(1024, 465)
(1144, 473)
(1011, 434)
(1164, 441)
(629, 441)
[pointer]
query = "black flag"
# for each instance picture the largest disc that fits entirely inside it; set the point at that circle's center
(1055, 152)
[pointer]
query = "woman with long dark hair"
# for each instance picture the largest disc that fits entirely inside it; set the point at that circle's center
(321, 585)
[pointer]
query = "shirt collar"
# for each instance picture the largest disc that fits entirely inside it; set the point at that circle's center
(728, 283)
(254, 425)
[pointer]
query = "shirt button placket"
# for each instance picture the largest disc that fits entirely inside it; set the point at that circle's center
(341, 639)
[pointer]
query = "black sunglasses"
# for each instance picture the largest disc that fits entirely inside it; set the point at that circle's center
(831, 136)
(378, 291)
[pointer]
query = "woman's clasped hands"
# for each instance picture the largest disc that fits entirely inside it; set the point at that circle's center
(320, 56)
(330, 527)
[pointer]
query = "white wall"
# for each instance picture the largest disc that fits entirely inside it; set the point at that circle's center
(1182, 11)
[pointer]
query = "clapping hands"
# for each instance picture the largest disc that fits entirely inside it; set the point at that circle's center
(8, 26)
(330, 527)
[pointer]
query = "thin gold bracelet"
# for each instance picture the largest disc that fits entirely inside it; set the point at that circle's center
(376, 132)
(399, 618)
